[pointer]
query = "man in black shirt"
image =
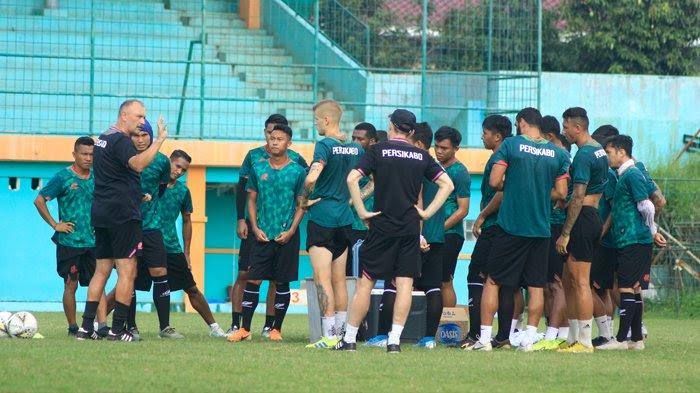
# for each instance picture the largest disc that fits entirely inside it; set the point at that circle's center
(392, 248)
(116, 214)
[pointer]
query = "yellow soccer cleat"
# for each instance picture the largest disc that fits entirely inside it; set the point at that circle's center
(546, 345)
(324, 343)
(576, 348)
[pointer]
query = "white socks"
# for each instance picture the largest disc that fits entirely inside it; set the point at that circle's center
(563, 333)
(328, 326)
(573, 331)
(341, 318)
(551, 333)
(350, 334)
(485, 336)
(513, 325)
(395, 335)
(603, 324)
(585, 330)
(531, 332)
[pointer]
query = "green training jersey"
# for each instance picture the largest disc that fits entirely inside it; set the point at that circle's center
(650, 185)
(590, 167)
(434, 227)
(155, 174)
(357, 223)
(559, 215)
(627, 223)
(74, 205)
(260, 154)
(338, 158)
(605, 206)
(487, 194)
(277, 190)
(176, 199)
(459, 175)
(532, 168)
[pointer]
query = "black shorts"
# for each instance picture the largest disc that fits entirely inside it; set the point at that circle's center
(244, 250)
(431, 268)
(517, 260)
(480, 256)
(275, 262)
(334, 240)
(603, 268)
(633, 265)
(119, 242)
(451, 250)
(585, 235)
(353, 236)
(383, 257)
(179, 275)
(152, 256)
(555, 261)
(75, 263)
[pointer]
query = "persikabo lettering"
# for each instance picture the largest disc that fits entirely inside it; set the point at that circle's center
(402, 154)
(537, 151)
(599, 153)
(346, 150)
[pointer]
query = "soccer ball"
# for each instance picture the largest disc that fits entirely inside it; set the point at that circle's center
(4, 317)
(22, 325)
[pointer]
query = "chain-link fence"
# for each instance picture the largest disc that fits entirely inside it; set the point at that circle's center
(67, 64)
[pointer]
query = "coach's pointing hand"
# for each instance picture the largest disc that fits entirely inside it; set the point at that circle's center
(562, 243)
(64, 227)
(162, 128)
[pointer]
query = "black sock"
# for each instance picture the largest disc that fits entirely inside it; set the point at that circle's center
(251, 297)
(282, 298)
(161, 299)
(89, 316)
(433, 300)
(121, 311)
(235, 320)
(506, 307)
(386, 309)
(637, 319)
(270, 319)
(475, 290)
(628, 308)
(131, 318)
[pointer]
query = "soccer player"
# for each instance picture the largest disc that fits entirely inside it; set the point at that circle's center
(153, 261)
(116, 215)
(365, 135)
(254, 156)
(176, 200)
(494, 130)
(447, 140)
(330, 218)
(275, 190)
(582, 229)
(634, 231)
(392, 247)
(74, 235)
(535, 174)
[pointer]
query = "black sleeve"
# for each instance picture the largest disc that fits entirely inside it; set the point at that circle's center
(241, 196)
(368, 162)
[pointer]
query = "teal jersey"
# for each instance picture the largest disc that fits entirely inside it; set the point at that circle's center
(627, 223)
(532, 168)
(338, 158)
(459, 175)
(260, 154)
(590, 167)
(559, 215)
(487, 194)
(605, 206)
(176, 199)
(74, 205)
(357, 223)
(277, 190)
(650, 185)
(434, 227)
(155, 174)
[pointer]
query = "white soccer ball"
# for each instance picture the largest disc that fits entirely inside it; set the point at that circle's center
(4, 317)
(22, 325)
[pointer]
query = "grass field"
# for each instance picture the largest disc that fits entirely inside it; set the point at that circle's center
(201, 363)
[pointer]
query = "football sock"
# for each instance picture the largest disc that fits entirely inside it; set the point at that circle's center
(637, 319)
(161, 299)
(573, 331)
(433, 298)
(350, 334)
(270, 319)
(485, 336)
(475, 291)
(341, 317)
(328, 326)
(627, 311)
(131, 317)
(121, 311)
(89, 316)
(214, 326)
(282, 298)
(551, 333)
(563, 333)
(251, 297)
(395, 334)
(513, 325)
(386, 309)
(506, 305)
(235, 320)
(603, 326)
(585, 330)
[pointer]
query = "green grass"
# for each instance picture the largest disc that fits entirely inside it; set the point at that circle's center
(200, 363)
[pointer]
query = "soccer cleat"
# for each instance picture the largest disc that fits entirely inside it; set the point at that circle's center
(239, 335)
(38, 336)
(526, 345)
(72, 330)
(636, 345)
(124, 336)
(427, 342)
(378, 341)
(468, 343)
(504, 344)
(393, 348)
(103, 331)
(275, 335)
(479, 346)
(565, 344)
(613, 345)
(266, 331)
(170, 333)
(600, 340)
(135, 333)
(325, 343)
(577, 348)
(83, 334)
(341, 345)
(546, 345)
(231, 331)
(217, 332)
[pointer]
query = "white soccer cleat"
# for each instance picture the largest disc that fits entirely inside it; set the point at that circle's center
(636, 345)
(614, 345)
(217, 332)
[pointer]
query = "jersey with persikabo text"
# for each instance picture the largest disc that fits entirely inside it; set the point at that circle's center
(117, 196)
(260, 154)
(558, 214)
(176, 199)
(590, 167)
(460, 178)
(157, 173)
(532, 168)
(605, 206)
(398, 169)
(277, 190)
(357, 223)
(74, 195)
(434, 227)
(628, 225)
(487, 194)
(338, 159)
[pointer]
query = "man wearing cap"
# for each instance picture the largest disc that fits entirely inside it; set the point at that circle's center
(116, 215)
(392, 247)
